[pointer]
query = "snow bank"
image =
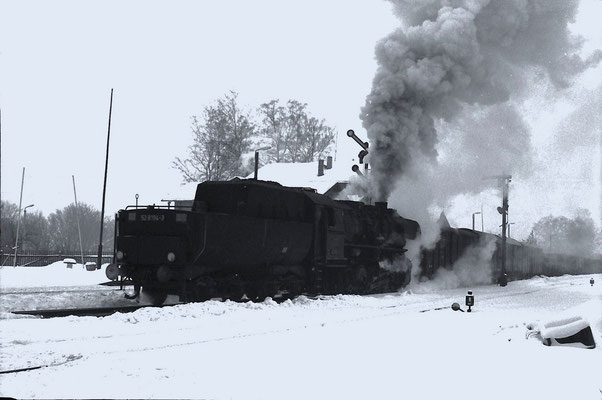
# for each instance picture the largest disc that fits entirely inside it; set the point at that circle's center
(54, 286)
(56, 274)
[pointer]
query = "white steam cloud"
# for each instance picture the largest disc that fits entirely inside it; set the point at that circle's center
(473, 268)
(455, 75)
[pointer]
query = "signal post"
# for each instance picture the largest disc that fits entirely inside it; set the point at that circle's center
(504, 180)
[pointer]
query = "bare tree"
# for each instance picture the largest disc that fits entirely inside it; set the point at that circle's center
(295, 136)
(296, 118)
(531, 241)
(318, 137)
(218, 142)
(9, 225)
(62, 226)
(35, 234)
(272, 127)
(567, 235)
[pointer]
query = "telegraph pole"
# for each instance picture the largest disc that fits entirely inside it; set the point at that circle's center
(19, 218)
(104, 187)
(79, 230)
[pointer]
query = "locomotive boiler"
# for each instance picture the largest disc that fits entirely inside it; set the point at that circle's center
(253, 239)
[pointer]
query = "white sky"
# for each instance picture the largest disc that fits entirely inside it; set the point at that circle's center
(166, 61)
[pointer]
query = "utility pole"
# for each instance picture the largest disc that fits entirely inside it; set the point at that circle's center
(19, 218)
(104, 187)
(79, 230)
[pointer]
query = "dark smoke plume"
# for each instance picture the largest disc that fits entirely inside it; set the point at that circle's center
(452, 56)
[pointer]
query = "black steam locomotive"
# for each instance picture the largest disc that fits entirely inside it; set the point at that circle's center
(252, 239)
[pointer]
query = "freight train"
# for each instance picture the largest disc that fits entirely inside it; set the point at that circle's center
(483, 250)
(252, 239)
(249, 239)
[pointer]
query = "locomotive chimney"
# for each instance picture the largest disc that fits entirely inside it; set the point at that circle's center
(320, 167)
(381, 205)
(329, 162)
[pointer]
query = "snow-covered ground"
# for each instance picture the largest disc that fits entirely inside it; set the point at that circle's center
(55, 286)
(402, 345)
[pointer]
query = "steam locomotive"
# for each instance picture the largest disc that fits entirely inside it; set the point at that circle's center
(251, 239)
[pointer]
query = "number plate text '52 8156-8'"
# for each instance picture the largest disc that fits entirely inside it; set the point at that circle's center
(152, 217)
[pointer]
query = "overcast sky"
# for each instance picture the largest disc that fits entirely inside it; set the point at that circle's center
(168, 60)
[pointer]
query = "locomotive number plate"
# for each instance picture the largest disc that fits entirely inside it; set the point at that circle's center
(152, 218)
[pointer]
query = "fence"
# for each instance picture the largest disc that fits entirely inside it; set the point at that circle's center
(41, 258)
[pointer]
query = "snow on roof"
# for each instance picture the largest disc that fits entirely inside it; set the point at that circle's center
(305, 174)
(287, 174)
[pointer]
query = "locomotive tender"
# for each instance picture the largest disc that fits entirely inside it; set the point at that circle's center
(256, 239)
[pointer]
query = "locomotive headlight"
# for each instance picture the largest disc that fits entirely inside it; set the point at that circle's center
(119, 255)
(171, 257)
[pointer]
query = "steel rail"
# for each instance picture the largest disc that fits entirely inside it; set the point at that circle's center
(83, 312)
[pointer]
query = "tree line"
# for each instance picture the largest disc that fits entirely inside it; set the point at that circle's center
(56, 233)
(559, 234)
(226, 135)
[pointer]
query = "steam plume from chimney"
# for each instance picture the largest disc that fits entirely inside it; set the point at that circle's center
(453, 56)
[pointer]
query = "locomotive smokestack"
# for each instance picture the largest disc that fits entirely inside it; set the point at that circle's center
(329, 162)
(381, 205)
(320, 167)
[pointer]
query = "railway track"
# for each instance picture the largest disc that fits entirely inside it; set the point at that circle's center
(105, 311)
(84, 312)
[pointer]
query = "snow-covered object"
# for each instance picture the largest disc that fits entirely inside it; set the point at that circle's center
(574, 331)
(70, 262)
(91, 266)
(568, 331)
